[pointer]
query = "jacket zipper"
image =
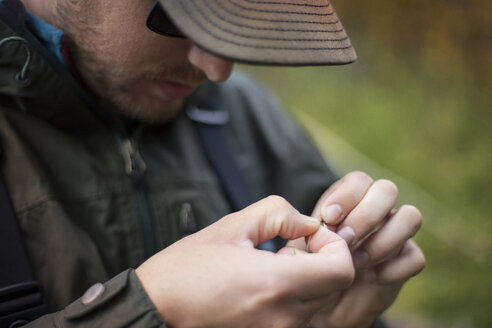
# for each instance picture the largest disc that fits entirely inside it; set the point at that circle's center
(135, 167)
(187, 222)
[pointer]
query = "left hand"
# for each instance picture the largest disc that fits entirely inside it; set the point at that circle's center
(379, 237)
(217, 278)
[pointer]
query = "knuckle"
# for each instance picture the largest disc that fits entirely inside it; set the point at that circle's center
(344, 272)
(388, 187)
(347, 275)
(280, 213)
(354, 186)
(413, 215)
(419, 261)
(358, 176)
(278, 201)
(351, 197)
(279, 206)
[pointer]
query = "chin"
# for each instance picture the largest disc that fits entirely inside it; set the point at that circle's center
(152, 110)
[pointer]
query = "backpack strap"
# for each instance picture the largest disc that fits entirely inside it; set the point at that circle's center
(209, 125)
(21, 299)
(210, 120)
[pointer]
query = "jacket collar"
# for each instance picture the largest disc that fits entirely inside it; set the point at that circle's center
(49, 92)
(52, 93)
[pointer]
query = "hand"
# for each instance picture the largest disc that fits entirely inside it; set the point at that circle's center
(216, 278)
(361, 211)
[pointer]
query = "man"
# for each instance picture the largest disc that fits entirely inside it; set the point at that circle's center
(104, 169)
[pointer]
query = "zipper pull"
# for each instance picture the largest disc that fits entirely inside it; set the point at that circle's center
(134, 163)
(187, 222)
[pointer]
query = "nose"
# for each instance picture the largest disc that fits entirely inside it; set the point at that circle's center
(215, 68)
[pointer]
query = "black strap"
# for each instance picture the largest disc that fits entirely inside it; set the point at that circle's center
(210, 124)
(21, 300)
(210, 128)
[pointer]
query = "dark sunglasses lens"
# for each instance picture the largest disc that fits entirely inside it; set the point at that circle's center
(158, 22)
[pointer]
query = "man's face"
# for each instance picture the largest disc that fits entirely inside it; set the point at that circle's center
(145, 74)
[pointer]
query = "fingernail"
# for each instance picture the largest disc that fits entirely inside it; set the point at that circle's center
(331, 214)
(360, 259)
(311, 220)
(370, 276)
(347, 234)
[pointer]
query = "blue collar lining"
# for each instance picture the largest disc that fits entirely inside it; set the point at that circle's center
(48, 34)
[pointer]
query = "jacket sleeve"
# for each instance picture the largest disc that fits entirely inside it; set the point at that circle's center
(120, 302)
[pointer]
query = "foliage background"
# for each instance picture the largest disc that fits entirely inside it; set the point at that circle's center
(416, 107)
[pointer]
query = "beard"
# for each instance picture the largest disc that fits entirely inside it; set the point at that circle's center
(133, 92)
(120, 75)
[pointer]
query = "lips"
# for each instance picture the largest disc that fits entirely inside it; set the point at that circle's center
(175, 90)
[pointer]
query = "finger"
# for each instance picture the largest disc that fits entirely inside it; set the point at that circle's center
(370, 212)
(342, 197)
(290, 250)
(264, 220)
(307, 276)
(316, 275)
(409, 263)
(299, 243)
(324, 198)
(388, 241)
(358, 306)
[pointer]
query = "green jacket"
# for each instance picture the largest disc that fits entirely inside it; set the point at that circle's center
(78, 207)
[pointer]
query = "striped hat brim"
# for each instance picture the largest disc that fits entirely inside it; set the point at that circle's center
(282, 32)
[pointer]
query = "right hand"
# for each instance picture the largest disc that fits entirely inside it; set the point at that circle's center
(216, 278)
(384, 254)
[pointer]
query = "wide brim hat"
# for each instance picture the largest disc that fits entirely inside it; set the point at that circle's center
(272, 32)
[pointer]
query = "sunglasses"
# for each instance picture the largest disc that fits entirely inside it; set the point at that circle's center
(159, 22)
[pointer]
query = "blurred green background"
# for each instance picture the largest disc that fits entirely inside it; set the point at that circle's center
(415, 107)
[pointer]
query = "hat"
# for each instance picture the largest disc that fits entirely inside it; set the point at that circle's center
(273, 32)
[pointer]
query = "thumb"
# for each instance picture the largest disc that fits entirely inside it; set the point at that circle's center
(266, 219)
